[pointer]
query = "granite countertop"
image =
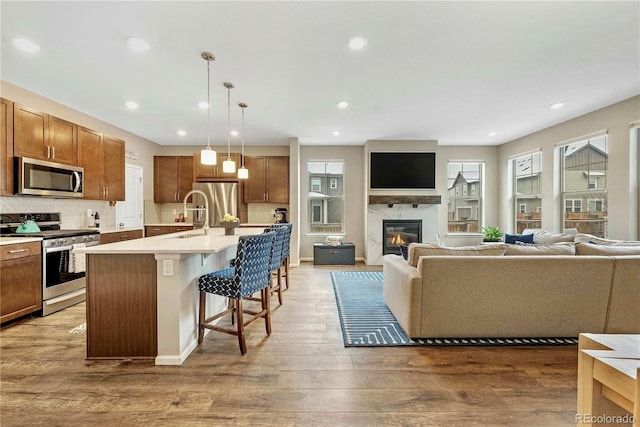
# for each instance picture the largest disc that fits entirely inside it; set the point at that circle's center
(15, 240)
(185, 242)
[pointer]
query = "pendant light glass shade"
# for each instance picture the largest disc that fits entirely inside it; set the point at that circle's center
(208, 156)
(243, 173)
(228, 166)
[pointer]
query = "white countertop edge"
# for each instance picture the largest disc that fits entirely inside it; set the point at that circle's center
(175, 243)
(15, 240)
(118, 230)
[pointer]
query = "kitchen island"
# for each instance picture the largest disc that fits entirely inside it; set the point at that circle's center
(142, 296)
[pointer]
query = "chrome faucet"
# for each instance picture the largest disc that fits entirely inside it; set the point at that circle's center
(205, 227)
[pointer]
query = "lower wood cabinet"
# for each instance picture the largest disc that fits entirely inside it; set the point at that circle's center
(21, 286)
(157, 230)
(120, 236)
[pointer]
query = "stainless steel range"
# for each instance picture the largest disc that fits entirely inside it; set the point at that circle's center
(63, 270)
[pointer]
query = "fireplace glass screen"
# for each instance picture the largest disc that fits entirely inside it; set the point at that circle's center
(399, 232)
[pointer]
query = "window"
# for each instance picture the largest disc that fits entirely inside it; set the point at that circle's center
(573, 205)
(316, 184)
(465, 196)
(584, 166)
(326, 202)
(527, 198)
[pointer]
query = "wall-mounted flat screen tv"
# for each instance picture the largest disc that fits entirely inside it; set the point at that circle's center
(402, 170)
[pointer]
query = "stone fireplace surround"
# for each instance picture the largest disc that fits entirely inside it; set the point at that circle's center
(399, 207)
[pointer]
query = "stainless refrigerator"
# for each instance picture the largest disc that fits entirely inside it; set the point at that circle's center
(222, 197)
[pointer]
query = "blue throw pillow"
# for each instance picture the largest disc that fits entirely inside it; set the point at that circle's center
(513, 238)
(405, 251)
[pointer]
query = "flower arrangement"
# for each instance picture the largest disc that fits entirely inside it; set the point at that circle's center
(229, 223)
(230, 218)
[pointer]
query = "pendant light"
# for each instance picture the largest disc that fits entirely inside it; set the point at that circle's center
(228, 166)
(208, 156)
(243, 173)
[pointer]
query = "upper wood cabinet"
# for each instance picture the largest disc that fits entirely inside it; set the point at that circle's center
(6, 147)
(268, 179)
(41, 136)
(102, 158)
(172, 178)
(214, 172)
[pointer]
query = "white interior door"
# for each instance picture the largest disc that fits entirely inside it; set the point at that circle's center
(130, 212)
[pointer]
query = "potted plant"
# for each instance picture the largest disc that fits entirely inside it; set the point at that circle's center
(229, 223)
(492, 234)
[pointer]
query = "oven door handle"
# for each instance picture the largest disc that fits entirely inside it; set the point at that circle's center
(58, 249)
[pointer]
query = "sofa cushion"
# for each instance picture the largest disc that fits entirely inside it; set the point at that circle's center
(548, 238)
(606, 250)
(513, 238)
(562, 248)
(416, 250)
(590, 238)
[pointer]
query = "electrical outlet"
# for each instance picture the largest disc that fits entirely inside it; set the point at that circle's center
(175, 211)
(167, 267)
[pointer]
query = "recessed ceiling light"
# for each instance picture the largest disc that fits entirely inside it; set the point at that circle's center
(26, 45)
(182, 132)
(132, 105)
(203, 105)
(335, 133)
(556, 105)
(343, 104)
(357, 43)
(137, 44)
(234, 133)
(492, 133)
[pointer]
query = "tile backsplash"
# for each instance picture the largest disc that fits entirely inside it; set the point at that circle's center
(262, 213)
(73, 212)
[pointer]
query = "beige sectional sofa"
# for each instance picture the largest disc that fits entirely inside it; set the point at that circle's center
(477, 295)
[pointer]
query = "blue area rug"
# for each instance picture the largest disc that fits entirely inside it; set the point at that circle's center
(367, 322)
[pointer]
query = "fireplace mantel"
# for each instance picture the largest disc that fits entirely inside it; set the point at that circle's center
(405, 200)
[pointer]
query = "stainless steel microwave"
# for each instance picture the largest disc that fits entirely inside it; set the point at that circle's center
(43, 178)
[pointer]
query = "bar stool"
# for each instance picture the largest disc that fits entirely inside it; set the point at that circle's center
(251, 273)
(276, 258)
(286, 251)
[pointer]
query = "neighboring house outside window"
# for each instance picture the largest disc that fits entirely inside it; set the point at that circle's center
(584, 185)
(527, 172)
(326, 197)
(465, 197)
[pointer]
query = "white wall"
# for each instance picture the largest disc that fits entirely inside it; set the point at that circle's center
(622, 207)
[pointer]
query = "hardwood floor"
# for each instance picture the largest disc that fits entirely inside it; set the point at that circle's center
(301, 375)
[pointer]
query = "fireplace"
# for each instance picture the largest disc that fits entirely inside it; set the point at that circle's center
(396, 232)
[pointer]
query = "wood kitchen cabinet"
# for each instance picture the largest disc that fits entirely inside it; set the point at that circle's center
(21, 286)
(102, 158)
(41, 136)
(172, 178)
(157, 230)
(214, 172)
(6, 147)
(268, 179)
(120, 236)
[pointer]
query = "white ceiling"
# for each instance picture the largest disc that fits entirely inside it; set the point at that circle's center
(449, 71)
